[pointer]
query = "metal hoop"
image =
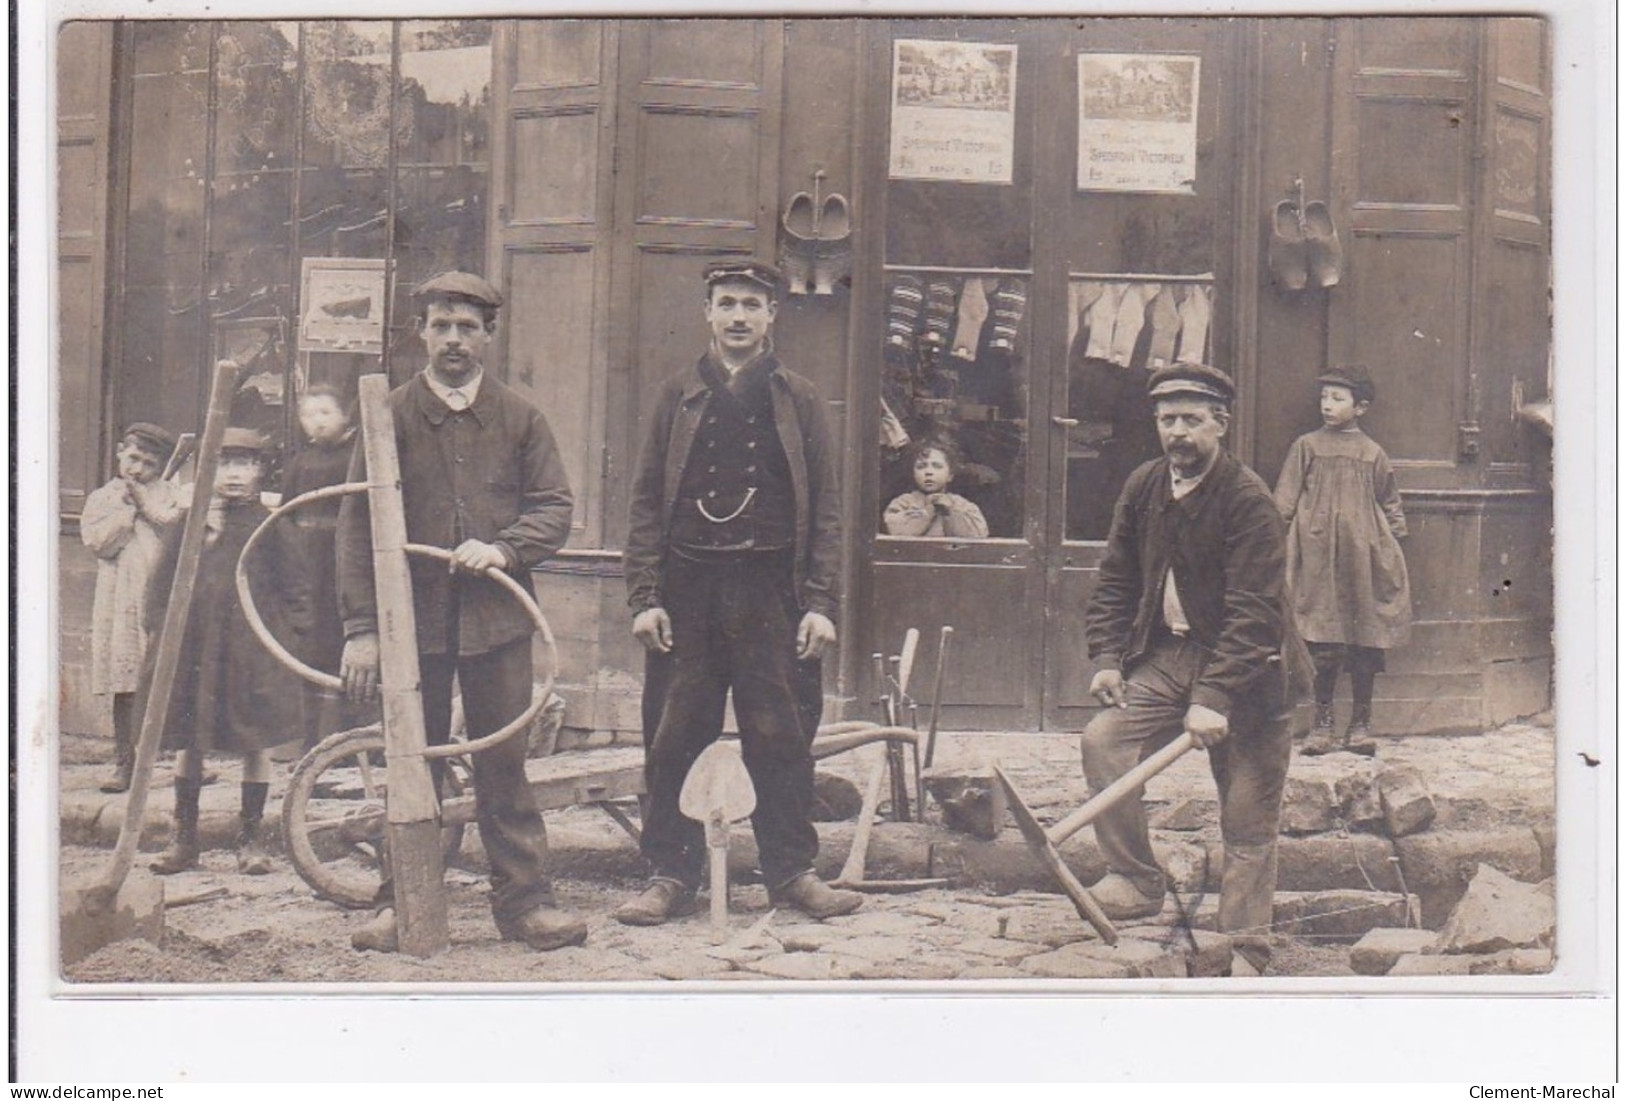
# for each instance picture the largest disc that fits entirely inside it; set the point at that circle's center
(327, 680)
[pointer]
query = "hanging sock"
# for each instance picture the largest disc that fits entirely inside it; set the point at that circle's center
(939, 314)
(1194, 313)
(973, 309)
(1130, 320)
(1009, 304)
(903, 315)
(1081, 297)
(1164, 313)
(1103, 319)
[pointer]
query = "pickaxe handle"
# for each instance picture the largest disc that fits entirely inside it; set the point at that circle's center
(1131, 780)
(716, 839)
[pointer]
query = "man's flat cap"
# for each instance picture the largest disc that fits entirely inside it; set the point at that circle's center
(753, 271)
(1354, 377)
(243, 439)
(154, 438)
(1193, 380)
(459, 284)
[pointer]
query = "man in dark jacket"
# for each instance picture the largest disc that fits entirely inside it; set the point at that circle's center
(731, 563)
(1185, 630)
(482, 477)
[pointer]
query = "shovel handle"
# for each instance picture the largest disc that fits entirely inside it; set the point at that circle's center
(1131, 780)
(719, 885)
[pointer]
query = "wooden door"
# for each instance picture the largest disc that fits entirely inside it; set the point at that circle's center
(552, 210)
(1406, 300)
(84, 99)
(697, 178)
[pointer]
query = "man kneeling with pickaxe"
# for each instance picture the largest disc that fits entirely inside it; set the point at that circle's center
(1186, 630)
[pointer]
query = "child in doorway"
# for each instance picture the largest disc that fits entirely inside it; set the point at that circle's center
(1350, 592)
(123, 524)
(930, 509)
(230, 694)
(326, 419)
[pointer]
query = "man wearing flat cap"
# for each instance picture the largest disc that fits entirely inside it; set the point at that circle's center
(480, 476)
(731, 566)
(1186, 631)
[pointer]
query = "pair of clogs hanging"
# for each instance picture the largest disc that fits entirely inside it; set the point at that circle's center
(1304, 247)
(815, 242)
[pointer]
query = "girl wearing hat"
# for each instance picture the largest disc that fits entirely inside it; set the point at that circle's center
(1346, 574)
(123, 524)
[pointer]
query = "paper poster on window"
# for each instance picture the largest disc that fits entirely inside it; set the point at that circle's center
(342, 305)
(1137, 122)
(953, 111)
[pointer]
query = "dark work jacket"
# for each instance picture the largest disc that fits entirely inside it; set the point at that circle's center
(491, 472)
(1226, 545)
(798, 414)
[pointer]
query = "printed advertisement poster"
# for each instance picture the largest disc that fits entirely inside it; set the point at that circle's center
(953, 111)
(1137, 122)
(342, 305)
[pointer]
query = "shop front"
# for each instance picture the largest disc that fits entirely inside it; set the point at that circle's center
(994, 230)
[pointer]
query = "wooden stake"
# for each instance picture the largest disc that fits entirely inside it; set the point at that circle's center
(412, 814)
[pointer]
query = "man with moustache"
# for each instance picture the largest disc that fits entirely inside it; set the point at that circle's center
(731, 565)
(1186, 631)
(481, 476)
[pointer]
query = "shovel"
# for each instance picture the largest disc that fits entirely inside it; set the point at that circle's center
(718, 792)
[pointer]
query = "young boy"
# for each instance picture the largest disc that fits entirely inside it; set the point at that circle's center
(123, 524)
(931, 509)
(230, 694)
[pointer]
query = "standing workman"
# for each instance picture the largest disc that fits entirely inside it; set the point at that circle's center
(480, 476)
(1186, 631)
(731, 565)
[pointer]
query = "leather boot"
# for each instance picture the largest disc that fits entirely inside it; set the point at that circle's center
(662, 900)
(815, 898)
(544, 928)
(251, 856)
(123, 748)
(378, 935)
(1323, 738)
(1357, 738)
(182, 851)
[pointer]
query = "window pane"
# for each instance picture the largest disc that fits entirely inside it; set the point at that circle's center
(442, 157)
(1119, 331)
(955, 381)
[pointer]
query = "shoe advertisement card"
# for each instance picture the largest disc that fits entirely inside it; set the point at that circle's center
(953, 111)
(343, 305)
(1137, 122)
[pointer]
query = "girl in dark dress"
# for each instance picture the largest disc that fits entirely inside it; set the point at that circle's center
(325, 417)
(230, 694)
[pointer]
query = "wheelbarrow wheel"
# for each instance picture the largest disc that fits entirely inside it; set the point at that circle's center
(333, 816)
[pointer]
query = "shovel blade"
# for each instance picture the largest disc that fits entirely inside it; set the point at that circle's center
(91, 918)
(718, 785)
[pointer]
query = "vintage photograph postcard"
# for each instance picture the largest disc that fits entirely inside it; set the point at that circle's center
(1045, 504)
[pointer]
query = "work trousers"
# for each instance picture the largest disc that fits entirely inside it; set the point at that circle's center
(1249, 768)
(496, 687)
(734, 621)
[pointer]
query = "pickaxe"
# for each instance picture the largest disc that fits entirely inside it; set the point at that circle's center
(1045, 841)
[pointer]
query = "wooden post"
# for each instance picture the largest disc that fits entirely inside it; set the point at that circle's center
(412, 814)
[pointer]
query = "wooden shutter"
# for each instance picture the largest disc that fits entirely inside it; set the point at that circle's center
(698, 178)
(552, 170)
(84, 100)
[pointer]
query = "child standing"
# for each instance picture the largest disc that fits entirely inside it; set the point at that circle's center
(123, 524)
(230, 694)
(325, 417)
(930, 509)
(1350, 592)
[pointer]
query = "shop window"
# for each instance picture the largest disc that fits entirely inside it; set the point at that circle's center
(1120, 329)
(257, 145)
(955, 378)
